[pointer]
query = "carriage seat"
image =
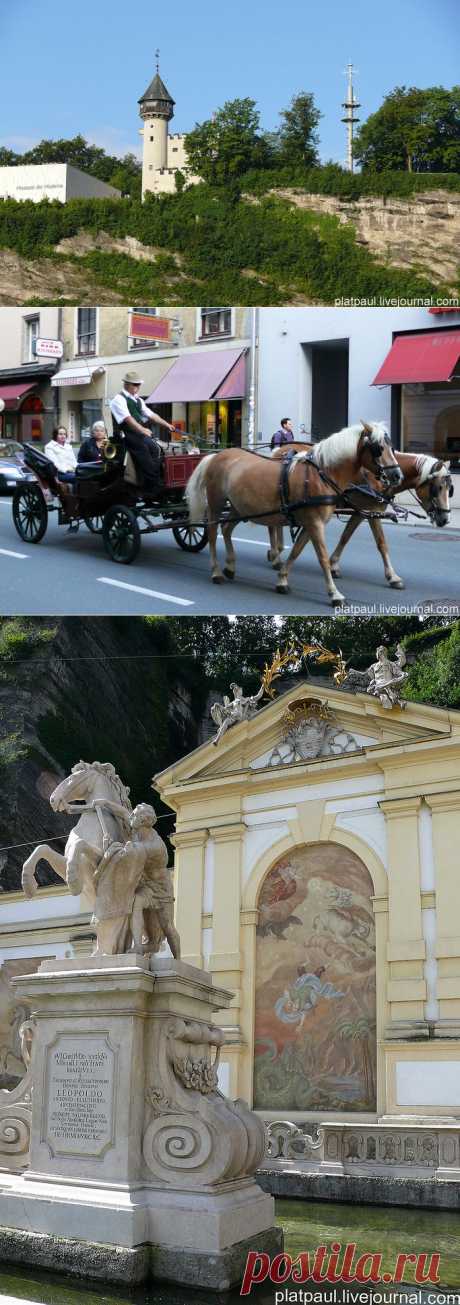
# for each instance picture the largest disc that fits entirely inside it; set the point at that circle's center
(129, 470)
(37, 461)
(91, 470)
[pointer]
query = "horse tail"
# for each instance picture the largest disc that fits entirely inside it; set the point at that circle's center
(195, 491)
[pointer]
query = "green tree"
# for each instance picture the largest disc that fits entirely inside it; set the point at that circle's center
(298, 135)
(435, 675)
(414, 130)
(224, 147)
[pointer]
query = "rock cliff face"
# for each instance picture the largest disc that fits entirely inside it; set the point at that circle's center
(423, 232)
(108, 690)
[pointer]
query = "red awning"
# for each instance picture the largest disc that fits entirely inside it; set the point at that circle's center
(198, 377)
(12, 395)
(234, 385)
(432, 356)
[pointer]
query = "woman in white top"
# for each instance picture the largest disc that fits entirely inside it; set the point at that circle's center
(59, 451)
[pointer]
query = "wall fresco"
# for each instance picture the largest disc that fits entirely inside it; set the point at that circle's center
(315, 1045)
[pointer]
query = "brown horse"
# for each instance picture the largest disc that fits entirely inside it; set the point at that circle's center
(252, 486)
(427, 477)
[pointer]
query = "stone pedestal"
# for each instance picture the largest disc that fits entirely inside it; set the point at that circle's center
(138, 1165)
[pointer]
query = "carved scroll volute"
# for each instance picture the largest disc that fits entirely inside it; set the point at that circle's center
(196, 1135)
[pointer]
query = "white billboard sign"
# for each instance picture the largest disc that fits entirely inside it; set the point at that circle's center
(49, 348)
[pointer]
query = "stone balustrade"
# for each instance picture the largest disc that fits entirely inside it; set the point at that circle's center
(399, 1146)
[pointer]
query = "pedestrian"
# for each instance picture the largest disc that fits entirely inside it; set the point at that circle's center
(285, 434)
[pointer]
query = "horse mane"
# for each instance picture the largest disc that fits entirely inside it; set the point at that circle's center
(106, 768)
(425, 466)
(342, 445)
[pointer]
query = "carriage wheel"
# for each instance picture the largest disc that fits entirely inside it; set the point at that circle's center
(94, 524)
(121, 534)
(191, 538)
(30, 513)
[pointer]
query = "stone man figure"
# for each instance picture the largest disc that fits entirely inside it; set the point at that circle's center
(387, 678)
(134, 900)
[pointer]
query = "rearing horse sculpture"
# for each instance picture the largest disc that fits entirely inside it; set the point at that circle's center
(90, 836)
(252, 486)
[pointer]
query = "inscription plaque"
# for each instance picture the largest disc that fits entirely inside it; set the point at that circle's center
(79, 1104)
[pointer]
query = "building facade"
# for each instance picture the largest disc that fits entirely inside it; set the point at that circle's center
(316, 878)
(163, 155)
(25, 380)
(37, 181)
(330, 367)
(197, 378)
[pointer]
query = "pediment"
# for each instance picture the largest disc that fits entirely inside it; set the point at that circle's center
(310, 724)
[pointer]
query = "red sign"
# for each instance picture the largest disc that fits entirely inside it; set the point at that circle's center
(144, 327)
(445, 310)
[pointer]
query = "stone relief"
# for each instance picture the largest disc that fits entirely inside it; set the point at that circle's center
(195, 1135)
(367, 1145)
(115, 856)
(383, 680)
(310, 730)
(196, 1072)
(232, 711)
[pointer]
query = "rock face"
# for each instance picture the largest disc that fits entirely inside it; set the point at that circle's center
(422, 232)
(23, 279)
(86, 685)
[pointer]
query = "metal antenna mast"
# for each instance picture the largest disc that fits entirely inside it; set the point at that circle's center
(350, 104)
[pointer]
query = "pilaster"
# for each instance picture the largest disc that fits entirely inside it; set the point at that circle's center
(226, 961)
(189, 880)
(445, 808)
(406, 948)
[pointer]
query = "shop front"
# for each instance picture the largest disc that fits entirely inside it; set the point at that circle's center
(205, 394)
(423, 370)
(81, 399)
(28, 414)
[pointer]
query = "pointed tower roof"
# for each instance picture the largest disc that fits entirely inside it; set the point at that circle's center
(157, 91)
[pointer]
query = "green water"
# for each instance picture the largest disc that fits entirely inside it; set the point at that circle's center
(306, 1225)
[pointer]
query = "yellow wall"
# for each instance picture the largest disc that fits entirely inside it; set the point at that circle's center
(396, 804)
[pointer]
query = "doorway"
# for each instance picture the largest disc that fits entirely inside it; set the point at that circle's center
(329, 387)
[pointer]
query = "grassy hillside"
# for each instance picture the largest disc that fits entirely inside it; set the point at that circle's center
(207, 245)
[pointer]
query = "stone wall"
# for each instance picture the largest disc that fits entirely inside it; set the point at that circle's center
(421, 232)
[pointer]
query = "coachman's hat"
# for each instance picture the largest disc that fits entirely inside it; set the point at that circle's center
(133, 378)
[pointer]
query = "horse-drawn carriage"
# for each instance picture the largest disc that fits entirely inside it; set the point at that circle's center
(107, 498)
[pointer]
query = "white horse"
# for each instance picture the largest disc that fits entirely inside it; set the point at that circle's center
(92, 835)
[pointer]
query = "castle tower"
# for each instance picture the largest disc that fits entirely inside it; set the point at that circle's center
(156, 108)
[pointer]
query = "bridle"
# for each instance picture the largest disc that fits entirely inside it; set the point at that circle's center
(381, 470)
(436, 484)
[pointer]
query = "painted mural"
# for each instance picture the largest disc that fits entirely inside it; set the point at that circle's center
(315, 1044)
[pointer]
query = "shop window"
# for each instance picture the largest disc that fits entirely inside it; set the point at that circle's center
(86, 331)
(31, 334)
(90, 411)
(215, 322)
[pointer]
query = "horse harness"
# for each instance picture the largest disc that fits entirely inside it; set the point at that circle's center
(337, 498)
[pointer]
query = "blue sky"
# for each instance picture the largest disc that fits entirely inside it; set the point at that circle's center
(82, 67)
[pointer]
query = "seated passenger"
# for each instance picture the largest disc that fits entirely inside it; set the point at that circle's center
(61, 453)
(91, 448)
